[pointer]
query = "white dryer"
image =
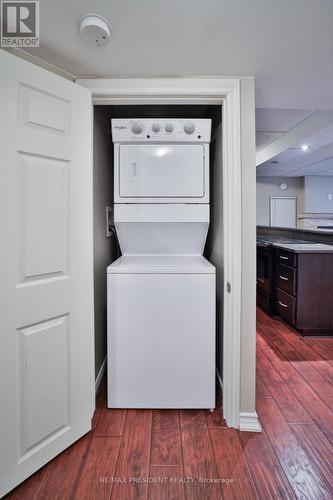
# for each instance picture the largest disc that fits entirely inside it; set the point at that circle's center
(161, 292)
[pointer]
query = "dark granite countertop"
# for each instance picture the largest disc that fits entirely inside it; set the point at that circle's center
(306, 247)
(292, 235)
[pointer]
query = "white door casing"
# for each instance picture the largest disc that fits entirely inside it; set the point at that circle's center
(46, 356)
(224, 92)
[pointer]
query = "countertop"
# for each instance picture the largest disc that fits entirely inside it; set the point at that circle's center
(273, 233)
(305, 247)
(295, 230)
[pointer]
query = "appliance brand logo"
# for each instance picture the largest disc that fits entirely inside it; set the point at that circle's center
(20, 24)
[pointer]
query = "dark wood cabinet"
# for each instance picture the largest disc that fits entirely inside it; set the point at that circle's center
(285, 257)
(285, 306)
(265, 277)
(286, 278)
(304, 290)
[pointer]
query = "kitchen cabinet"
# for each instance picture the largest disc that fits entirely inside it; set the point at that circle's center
(304, 290)
(265, 276)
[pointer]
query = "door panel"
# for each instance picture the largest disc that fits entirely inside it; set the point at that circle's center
(283, 211)
(43, 222)
(45, 111)
(46, 369)
(43, 350)
(161, 170)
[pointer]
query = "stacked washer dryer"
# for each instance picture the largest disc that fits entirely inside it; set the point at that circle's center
(161, 291)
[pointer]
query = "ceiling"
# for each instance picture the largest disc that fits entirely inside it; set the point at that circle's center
(273, 123)
(292, 160)
(297, 163)
(287, 45)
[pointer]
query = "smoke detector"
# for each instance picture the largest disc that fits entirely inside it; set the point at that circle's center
(95, 30)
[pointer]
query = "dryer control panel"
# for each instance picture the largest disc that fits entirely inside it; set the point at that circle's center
(161, 130)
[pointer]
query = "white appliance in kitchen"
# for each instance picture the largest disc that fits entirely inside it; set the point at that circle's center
(161, 291)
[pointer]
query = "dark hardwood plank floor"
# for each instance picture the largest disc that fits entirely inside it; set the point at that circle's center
(198, 457)
(231, 463)
(289, 405)
(305, 479)
(165, 440)
(99, 466)
(269, 480)
(191, 454)
(166, 483)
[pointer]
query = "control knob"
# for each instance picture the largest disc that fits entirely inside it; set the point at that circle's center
(169, 127)
(156, 128)
(137, 128)
(189, 128)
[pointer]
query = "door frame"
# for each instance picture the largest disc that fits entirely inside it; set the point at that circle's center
(281, 198)
(226, 92)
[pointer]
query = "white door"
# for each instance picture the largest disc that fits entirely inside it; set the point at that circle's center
(283, 211)
(46, 267)
(161, 171)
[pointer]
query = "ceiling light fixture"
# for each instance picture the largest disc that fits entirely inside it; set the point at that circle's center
(305, 147)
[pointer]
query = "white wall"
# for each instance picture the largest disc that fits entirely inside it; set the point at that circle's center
(269, 186)
(316, 191)
(104, 248)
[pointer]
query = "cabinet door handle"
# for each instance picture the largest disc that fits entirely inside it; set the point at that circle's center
(282, 304)
(283, 257)
(284, 278)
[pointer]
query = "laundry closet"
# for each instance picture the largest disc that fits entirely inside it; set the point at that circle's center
(179, 238)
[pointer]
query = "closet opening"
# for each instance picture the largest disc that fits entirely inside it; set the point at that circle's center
(106, 246)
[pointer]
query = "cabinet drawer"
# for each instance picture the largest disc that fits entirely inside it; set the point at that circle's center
(285, 257)
(286, 278)
(286, 306)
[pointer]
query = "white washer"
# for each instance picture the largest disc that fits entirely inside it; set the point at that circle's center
(161, 321)
(161, 292)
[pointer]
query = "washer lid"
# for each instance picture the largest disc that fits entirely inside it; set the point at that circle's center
(161, 264)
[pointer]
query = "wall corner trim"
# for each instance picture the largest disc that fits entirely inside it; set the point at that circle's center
(249, 422)
(100, 374)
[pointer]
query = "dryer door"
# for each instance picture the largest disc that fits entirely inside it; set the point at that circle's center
(160, 171)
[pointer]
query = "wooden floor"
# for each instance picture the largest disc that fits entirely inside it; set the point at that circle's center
(191, 454)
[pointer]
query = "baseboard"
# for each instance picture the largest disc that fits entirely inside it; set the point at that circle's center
(249, 422)
(100, 375)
